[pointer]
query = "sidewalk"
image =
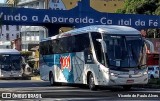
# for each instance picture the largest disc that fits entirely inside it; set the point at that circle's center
(31, 78)
(36, 78)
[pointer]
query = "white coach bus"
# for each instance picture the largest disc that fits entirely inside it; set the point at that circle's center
(95, 55)
(10, 63)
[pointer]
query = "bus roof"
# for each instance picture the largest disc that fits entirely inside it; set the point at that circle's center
(108, 29)
(9, 51)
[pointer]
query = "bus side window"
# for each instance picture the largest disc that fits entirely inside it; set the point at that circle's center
(87, 49)
(45, 48)
(98, 50)
(50, 47)
(71, 44)
(98, 47)
(55, 46)
(41, 48)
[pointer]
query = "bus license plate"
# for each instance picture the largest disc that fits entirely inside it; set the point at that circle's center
(130, 81)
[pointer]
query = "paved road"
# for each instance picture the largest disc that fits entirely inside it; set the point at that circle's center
(37, 89)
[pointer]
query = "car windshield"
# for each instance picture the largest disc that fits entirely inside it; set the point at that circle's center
(10, 62)
(123, 51)
(150, 68)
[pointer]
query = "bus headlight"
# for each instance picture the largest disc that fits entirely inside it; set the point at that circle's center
(145, 73)
(113, 74)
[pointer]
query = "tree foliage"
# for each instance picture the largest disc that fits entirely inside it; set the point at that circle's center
(150, 7)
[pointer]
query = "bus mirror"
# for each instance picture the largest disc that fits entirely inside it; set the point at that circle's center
(103, 44)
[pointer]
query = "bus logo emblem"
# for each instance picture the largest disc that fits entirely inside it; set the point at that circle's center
(65, 62)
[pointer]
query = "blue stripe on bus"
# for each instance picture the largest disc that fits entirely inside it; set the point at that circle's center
(68, 73)
(51, 60)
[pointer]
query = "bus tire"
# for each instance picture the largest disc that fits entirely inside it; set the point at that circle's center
(127, 87)
(152, 77)
(51, 79)
(91, 82)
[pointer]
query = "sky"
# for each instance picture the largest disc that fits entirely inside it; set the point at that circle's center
(1, 1)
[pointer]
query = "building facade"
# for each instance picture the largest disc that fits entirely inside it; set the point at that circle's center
(31, 35)
(109, 6)
(8, 34)
(16, 44)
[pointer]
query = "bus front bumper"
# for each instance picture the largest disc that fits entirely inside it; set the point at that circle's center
(128, 80)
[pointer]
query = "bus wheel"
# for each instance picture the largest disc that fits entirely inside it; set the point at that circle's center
(91, 83)
(127, 87)
(51, 79)
(152, 77)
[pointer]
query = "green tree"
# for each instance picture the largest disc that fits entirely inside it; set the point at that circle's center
(148, 7)
(151, 7)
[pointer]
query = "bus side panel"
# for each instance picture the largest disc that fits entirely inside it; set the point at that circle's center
(94, 69)
(78, 67)
(46, 65)
(63, 67)
(59, 60)
(69, 67)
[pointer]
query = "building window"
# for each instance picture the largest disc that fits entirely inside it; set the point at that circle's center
(31, 6)
(7, 36)
(104, 4)
(115, 4)
(12, 34)
(7, 27)
(37, 4)
(17, 27)
(2, 34)
(7, 47)
(71, 3)
(17, 36)
(57, 9)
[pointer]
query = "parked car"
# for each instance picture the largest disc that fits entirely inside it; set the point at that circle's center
(153, 72)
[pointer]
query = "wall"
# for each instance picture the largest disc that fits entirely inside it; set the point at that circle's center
(107, 5)
(99, 5)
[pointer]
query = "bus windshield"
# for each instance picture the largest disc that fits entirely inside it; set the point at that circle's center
(10, 62)
(123, 51)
